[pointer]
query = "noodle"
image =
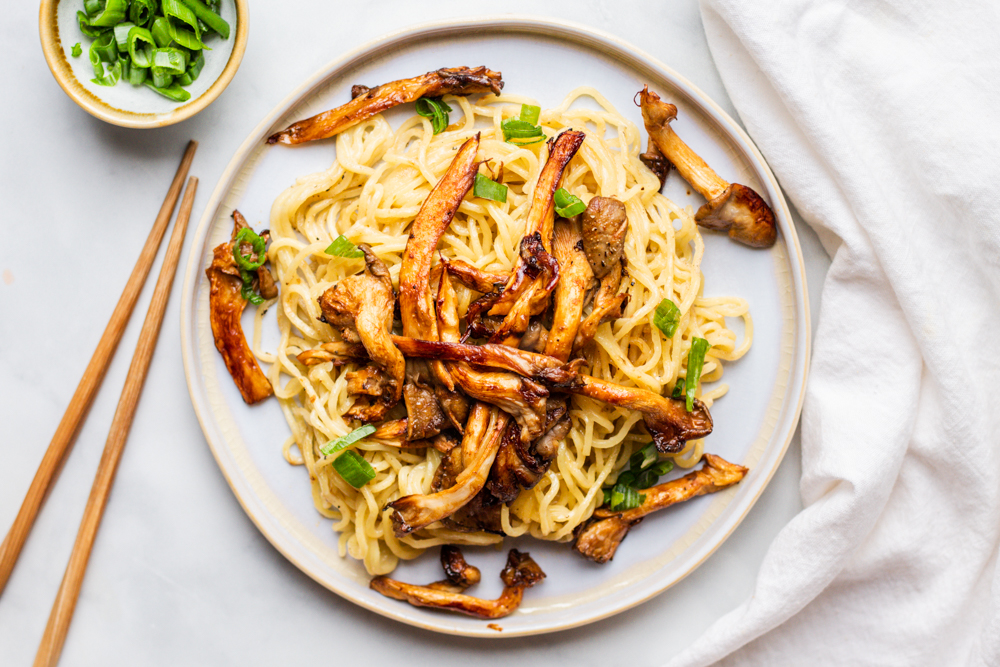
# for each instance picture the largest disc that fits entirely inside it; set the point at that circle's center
(371, 193)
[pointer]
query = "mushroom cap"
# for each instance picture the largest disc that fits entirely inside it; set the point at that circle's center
(655, 112)
(741, 211)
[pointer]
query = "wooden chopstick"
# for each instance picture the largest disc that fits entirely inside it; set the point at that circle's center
(82, 399)
(69, 590)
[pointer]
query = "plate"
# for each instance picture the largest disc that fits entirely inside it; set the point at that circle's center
(754, 423)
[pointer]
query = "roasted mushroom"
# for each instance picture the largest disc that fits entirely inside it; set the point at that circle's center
(226, 304)
(731, 207)
(541, 216)
(575, 278)
(599, 538)
(603, 226)
(366, 102)
(521, 572)
(479, 447)
(361, 307)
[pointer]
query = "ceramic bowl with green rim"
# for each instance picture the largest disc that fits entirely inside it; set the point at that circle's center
(139, 105)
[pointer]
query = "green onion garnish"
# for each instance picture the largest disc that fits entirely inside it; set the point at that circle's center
(519, 129)
(644, 458)
(142, 12)
(155, 42)
(141, 46)
(678, 391)
(247, 293)
(170, 60)
(530, 113)
(568, 205)
(247, 235)
(667, 317)
(193, 70)
(488, 189)
(181, 18)
(110, 74)
(76, 50)
(161, 31)
(696, 360)
(211, 20)
(346, 441)
(625, 498)
(436, 110)
(121, 35)
(645, 470)
(113, 14)
(354, 469)
(342, 247)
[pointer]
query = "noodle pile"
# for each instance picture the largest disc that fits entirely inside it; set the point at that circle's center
(371, 193)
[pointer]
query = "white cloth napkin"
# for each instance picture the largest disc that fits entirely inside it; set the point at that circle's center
(881, 120)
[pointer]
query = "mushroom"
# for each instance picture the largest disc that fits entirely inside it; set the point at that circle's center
(599, 538)
(521, 572)
(730, 206)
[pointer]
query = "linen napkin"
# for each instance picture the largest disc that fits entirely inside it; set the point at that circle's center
(881, 120)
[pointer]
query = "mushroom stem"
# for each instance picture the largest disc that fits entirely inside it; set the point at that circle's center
(657, 116)
(731, 207)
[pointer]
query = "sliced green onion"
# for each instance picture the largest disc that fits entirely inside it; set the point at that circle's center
(161, 32)
(345, 441)
(121, 35)
(696, 360)
(530, 113)
(142, 12)
(568, 205)
(86, 28)
(626, 477)
(153, 42)
(644, 458)
(141, 45)
(625, 498)
(488, 189)
(113, 14)
(355, 470)
(173, 92)
(678, 392)
(110, 74)
(136, 75)
(193, 70)
(180, 18)
(247, 235)
(519, 129)
(247, 293)
(162, 79)
(436, 110)
(208, 17)
(103, 50)
(173, 61)
(662, 467)
(342, 247)
(667, 317)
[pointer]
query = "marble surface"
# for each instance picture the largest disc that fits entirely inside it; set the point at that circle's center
(179, 574)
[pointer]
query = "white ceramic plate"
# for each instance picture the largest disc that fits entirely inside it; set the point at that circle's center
(754, 423)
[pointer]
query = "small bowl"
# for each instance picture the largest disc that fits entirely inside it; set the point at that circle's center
(126, 105)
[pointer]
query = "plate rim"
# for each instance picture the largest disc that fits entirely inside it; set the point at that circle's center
(560, 30)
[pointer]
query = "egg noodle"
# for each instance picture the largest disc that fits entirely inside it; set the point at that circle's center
(371, 193)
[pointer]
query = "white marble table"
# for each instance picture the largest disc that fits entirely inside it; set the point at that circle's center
(179, 575)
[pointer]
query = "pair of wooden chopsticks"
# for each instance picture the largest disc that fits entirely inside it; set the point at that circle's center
(79, 406)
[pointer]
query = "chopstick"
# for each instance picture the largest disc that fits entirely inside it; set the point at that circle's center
(92, 378)
(69, 590)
